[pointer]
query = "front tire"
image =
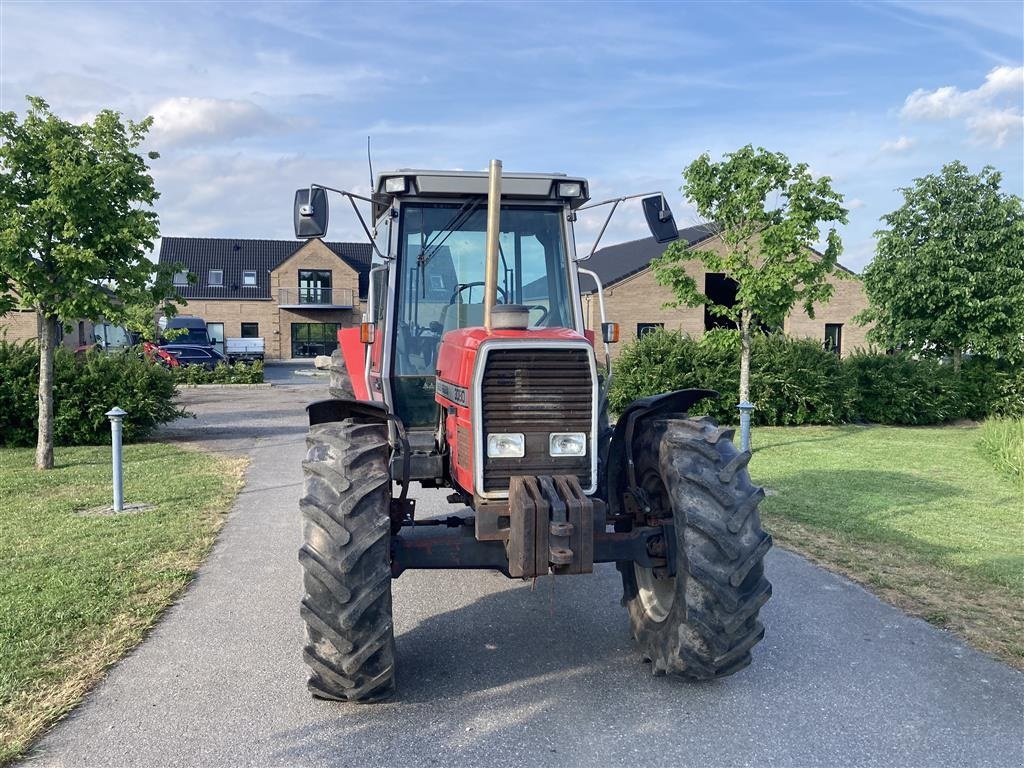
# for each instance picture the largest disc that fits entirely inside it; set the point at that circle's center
(340, 383)
(702, 622)
(346, 562)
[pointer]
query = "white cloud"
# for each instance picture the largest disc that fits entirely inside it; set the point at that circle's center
(902, 144)
(187, 119)
(991, 112)
(855, 204)
(994, 127)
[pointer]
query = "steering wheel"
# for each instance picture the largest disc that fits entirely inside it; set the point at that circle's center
(463, 286)
(543, 317)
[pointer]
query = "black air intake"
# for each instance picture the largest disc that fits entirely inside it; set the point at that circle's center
(536, 392)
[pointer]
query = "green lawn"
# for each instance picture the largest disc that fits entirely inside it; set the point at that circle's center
(920, 515)
(76, 591)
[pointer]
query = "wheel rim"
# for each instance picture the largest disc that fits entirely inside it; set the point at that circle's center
(657, 596)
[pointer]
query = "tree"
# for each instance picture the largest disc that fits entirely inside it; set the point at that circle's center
(75, 228)
(948, 273)
(767, 212)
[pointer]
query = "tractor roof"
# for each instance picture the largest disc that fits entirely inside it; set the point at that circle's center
(539, 186)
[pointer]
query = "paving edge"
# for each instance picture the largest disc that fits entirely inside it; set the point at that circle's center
(264, 385)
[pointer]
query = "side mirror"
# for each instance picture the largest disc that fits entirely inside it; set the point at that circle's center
(659, 219)
(310, 213)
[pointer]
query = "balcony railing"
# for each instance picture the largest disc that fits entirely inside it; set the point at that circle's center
(333, 298)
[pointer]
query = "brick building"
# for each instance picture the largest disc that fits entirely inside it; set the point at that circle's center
(635, 301)
(22, 325)
(292, 294)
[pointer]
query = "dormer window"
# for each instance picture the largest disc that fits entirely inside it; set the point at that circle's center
(181, 279)
(215, 278)
(249, 277)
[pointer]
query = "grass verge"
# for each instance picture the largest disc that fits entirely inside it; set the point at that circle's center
(918, 515)
(77, 592)
(1002, 441)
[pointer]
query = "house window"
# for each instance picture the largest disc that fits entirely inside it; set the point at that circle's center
(721, 289)
(250, 330)
(215, 278)
(834, 337)
(314, 286)
(642, 329)
(312, 339)
(181, 278)
(249, 277)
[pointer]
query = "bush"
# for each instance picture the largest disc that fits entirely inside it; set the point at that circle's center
(897, 389)
(796, 381)
(792, 381)
(1002, 441)
(85, 387)
(992, 388)
(1008, 401)
(239, 373)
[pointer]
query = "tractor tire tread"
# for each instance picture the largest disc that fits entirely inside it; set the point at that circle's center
(720, 585)
(345, 557)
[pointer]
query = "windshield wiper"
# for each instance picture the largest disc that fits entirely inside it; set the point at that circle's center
(461, 217)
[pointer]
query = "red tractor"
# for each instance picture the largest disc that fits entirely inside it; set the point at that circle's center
(474, 372)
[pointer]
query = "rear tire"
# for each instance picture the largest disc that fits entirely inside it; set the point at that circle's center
(340, 385)
(702, 622)
(346, 561)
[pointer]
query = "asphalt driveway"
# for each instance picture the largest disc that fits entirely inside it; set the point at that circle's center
(494, 672)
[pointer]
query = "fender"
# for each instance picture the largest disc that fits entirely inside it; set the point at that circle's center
(617, 467)
(364, 411)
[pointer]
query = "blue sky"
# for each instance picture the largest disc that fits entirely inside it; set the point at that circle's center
(253, 100)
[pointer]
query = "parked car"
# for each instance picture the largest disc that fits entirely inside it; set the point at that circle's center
(194, 354)
(190, 344)
(187, 330)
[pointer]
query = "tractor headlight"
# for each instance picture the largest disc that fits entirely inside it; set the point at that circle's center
(567, 444)
(506, 445)
(570, 189)
(395, 185)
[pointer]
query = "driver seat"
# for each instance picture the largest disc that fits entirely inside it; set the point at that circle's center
(466, 316)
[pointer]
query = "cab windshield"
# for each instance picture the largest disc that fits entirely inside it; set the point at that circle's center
(442, 282)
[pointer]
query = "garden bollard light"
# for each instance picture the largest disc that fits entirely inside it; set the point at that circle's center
(115, 415)
(745, 408)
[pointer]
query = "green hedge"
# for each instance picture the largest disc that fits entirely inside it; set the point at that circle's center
(792, 381)
(796, 381)
(239, 373)
(85, 387)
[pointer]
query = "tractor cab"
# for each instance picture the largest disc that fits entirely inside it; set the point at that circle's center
(429, 277)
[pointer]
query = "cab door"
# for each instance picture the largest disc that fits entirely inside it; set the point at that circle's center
(377, 313)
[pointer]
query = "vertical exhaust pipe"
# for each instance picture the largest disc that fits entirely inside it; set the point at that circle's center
(493, 229)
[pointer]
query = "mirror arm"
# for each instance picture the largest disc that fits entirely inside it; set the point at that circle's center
(600, 234)
(352, 197)
(615, 204)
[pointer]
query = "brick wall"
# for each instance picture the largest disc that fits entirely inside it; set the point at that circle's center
(639, 299)
(314, 255)
(847, 301)
(20, 325)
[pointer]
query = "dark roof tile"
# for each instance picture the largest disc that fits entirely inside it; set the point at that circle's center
(234, 256)
(614, 263)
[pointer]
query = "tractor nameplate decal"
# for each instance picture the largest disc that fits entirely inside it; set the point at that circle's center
(458, 395)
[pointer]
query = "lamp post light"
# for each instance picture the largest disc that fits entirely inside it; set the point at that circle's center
(116, 416)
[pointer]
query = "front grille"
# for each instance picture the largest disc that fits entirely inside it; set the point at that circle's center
(536, 392)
